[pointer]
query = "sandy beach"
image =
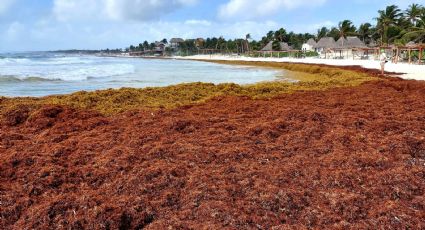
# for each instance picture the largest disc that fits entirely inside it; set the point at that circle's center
(407, 71)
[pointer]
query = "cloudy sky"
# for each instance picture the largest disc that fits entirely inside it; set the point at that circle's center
(28, 25)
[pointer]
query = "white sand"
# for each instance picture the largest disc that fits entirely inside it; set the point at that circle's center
(408, 71)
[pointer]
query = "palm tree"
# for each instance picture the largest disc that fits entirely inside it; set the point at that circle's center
(270, 35)
(220, 42)
(364, 31)
(323, 32)
(145, 45)
(417, 33)
(346, 28)
(334, 32)
(422, 18)
(280, 35)
(413, 13)
(247, 38)
(387, 18)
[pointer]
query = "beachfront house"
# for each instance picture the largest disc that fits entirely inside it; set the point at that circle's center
(283, 47)
(350, 43)
(309, 45)
(159, 47)
(175, 42)
(199, 42)
(325, 47)
(350, 47)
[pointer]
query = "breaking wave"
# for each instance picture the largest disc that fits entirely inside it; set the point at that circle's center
(14, 79)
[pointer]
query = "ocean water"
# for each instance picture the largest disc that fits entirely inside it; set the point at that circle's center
(43, 73)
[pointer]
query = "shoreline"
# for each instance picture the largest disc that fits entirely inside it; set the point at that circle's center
(402, 70)
(284, 65)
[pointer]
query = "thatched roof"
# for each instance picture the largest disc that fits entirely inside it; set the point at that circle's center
(311, 42)
(373, 44)
(159, 44)
(326, 43)
(350, 43)
(411, 44)
(283, 46)
(176, 40)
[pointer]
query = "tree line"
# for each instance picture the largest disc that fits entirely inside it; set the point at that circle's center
(392, 26)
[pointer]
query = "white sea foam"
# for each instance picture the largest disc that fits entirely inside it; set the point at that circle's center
(62, 68)
(8, 61)
(47, 61)
(46, 73)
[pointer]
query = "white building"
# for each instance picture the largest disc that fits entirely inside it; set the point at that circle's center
(309, 45)
(175, 42)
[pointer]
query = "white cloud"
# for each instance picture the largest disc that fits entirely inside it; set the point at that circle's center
(143, 10)
(65, 10)
(139, 10)
(5, 5)
(14, 31)
(251, 9)
(198, 22)
(44, 35)
(312, 28)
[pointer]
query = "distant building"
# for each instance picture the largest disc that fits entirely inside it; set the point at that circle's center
(199, 42)
(350, 43)
(175, 42)
(373, 44)
(283, 47)
(325, 44)
(160, 47)
(411, 44)
(309, 45)
(350, 47)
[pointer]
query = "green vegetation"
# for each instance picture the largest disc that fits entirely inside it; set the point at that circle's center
(277, 54)
(115, 101)
(392, 26)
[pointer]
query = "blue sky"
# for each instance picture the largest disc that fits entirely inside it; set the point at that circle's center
(29, 25)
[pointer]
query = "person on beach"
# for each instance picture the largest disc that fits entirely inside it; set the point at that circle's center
(383, 60)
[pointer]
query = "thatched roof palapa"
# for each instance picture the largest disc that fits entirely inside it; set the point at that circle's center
(411, 44)
(373, 44)
(311, 42)
(326, 43)
(177, 40)
(283, 46)
(350, 43)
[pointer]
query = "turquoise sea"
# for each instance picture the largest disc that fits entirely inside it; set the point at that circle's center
(47, 73)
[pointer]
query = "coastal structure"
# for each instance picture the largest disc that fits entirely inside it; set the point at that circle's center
(199, 42)
(309, 46)
(283, 47)
(350, 43)
(175, 42)
(351, 47)
(325, 43)
(160, 46)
